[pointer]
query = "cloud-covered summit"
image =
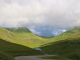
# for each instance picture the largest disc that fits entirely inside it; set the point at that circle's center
(32, 13)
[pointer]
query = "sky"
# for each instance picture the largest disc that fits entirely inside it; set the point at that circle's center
(62, 14)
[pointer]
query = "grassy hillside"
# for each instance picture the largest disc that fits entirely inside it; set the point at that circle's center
(25, 33)
(21, 36)
(74, 33)
(4, 56)
(19, 30)
(18, 42)
(66, 45)
(10, 50)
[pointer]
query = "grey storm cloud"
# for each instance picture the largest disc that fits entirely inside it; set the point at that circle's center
(54, 13)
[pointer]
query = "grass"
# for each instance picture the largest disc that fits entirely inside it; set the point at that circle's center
(28, 38)
(11, 50)
(20, 42)
(68, 48)
(4, 56)
(19, 30)
(66, 45)
(55, 57)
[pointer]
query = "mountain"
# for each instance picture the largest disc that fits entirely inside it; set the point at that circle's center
(21, 35)
(18, 42)
(66, 45)
(10, 50)
(19, 30)
(21, 41)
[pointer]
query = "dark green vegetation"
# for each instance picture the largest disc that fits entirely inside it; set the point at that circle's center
(16, 43)
(66, 45)
(9, 50)
(4, 56)
(19, 30)
(21, 36)
(16, 49)
(21, 41)
(54, 57)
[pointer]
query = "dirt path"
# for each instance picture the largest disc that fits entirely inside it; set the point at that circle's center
(28, 58)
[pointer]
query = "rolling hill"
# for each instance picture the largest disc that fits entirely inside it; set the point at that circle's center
(18, 43)
(19, 30)
(22, 36)
(10, 50)
(65, 45)
(21, 41)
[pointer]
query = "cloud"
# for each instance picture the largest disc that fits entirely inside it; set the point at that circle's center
(53, 13)
(35, 32)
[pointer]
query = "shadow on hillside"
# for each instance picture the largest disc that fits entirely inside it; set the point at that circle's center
(68, 48)
(16, 49)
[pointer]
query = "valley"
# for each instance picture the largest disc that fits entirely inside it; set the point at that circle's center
(21, 42)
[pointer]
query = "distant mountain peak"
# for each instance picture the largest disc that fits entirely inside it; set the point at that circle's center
(19, 29)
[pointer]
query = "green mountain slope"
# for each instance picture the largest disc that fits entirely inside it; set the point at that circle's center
(21, 36)
(19, 30)
(24, 32)
(10, 50)
(18, 42)
(4, 56)
(6, 35)
(66, 45)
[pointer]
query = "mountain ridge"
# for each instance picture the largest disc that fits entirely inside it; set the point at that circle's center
(27, 37)
(66, 45)
(67, 42)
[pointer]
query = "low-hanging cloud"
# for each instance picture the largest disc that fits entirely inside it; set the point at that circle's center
(54, 13)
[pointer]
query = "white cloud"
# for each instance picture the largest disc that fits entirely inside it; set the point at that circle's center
(64, 30)
(54, 13)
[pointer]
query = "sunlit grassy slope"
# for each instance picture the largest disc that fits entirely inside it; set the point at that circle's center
(18, 42)
(21, 36)
(66, 45)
